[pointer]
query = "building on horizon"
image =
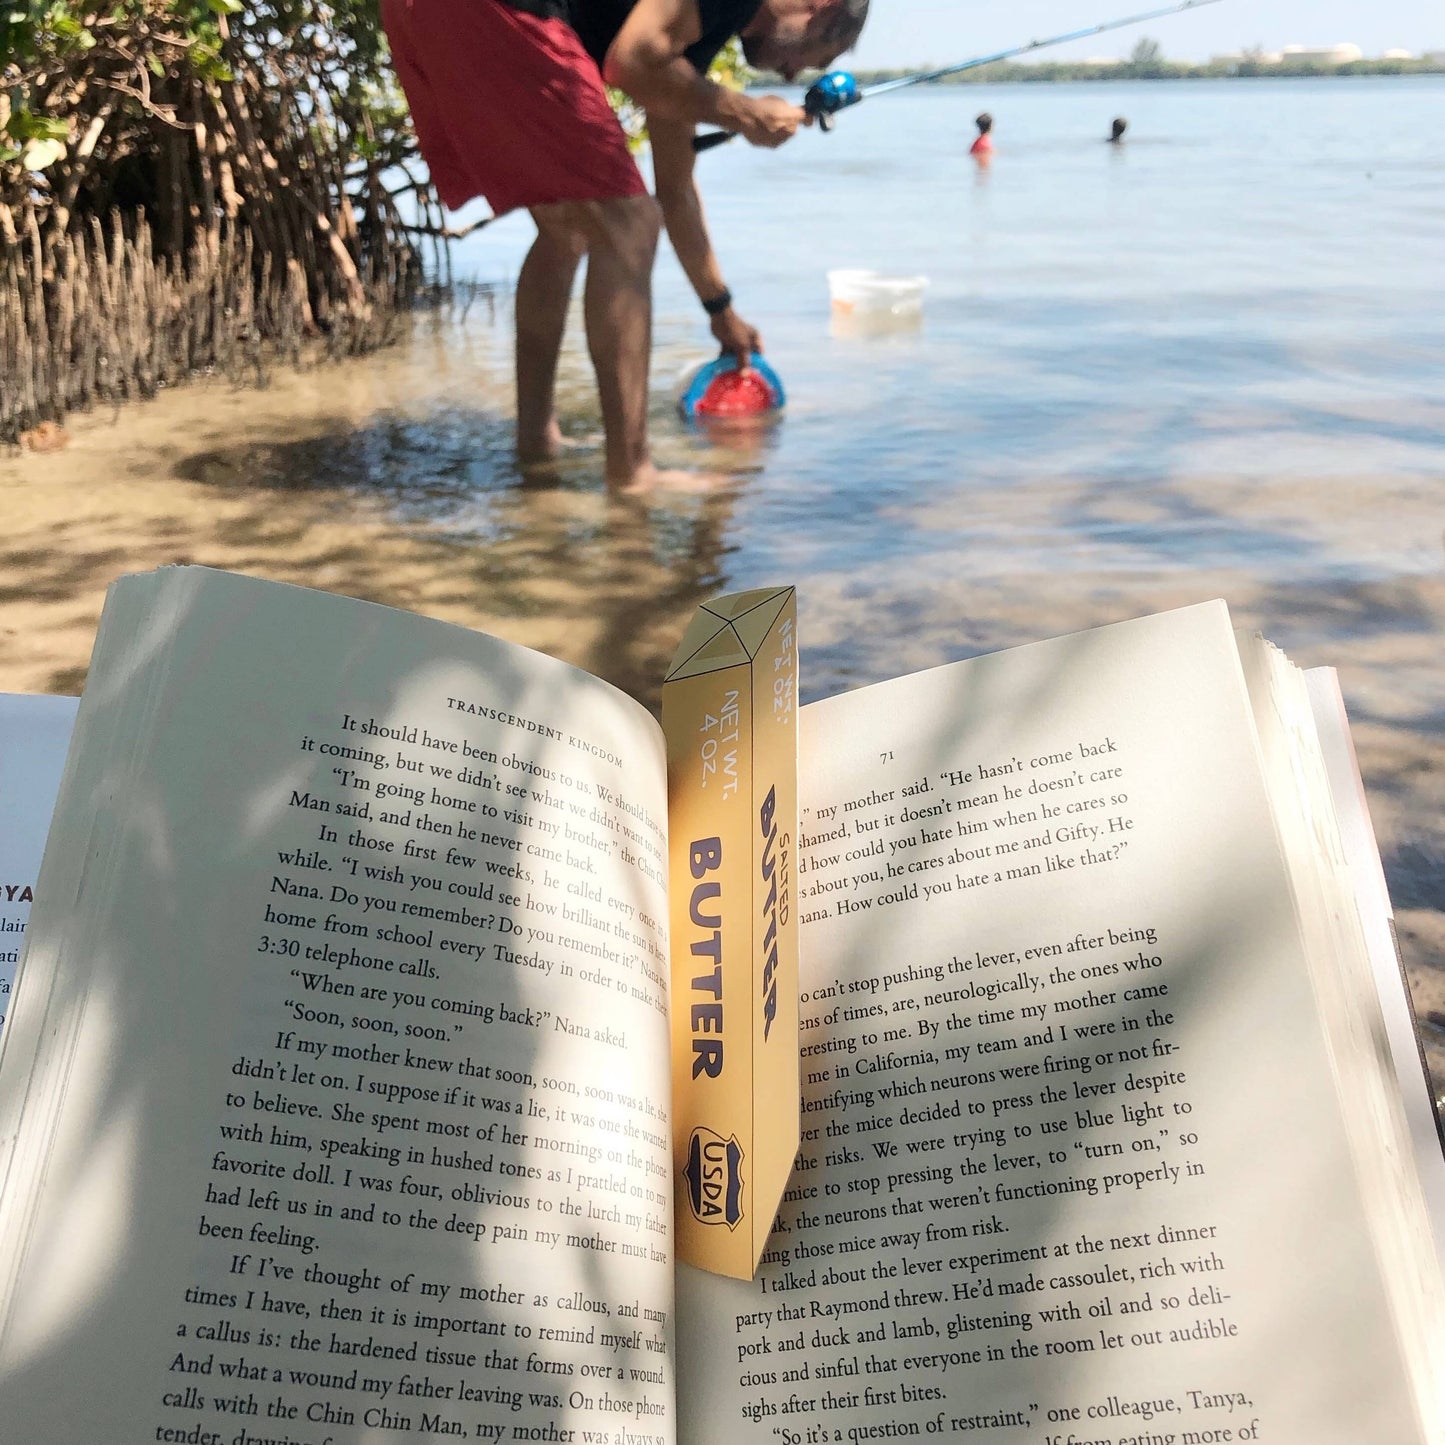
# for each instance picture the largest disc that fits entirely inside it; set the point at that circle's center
(1323, 57)
(1341, 54)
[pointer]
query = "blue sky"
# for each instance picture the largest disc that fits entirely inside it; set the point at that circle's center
(923, 33)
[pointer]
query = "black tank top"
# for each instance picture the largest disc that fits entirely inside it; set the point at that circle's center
(598, 21)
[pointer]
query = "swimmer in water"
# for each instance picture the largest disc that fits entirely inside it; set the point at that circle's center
(983, 146)
(1119, 127)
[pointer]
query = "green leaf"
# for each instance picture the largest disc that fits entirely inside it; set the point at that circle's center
(224, 7)
(26, 125)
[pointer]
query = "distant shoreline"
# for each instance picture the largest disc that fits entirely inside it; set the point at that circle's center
(1005, 72)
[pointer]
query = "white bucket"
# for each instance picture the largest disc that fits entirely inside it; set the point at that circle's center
(870, 293)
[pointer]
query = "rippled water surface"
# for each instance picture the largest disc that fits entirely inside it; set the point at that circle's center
(1248, 290)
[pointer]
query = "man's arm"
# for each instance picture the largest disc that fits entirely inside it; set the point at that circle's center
(646, 60)
(672, 165)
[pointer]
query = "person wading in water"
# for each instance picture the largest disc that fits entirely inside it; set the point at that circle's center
(509, 102)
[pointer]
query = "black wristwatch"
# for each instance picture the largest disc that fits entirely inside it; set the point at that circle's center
(716, 305)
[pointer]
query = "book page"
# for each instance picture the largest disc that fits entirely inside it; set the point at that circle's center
(1348, 998)
(344, 1059)
(34, 734)
(1073, 1167)
(1362, 857)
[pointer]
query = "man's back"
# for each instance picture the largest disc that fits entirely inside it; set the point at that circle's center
(598, 21)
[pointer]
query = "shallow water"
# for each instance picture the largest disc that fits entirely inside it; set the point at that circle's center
(1210, 362)
(1247, 290)
(1220, 346)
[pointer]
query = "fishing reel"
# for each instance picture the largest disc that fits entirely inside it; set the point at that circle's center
(827, 96)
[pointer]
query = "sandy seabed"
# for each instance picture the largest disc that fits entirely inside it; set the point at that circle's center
(275, 482)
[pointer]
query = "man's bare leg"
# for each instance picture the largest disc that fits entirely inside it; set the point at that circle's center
(617, 305)
(544, 290)
(620, 237)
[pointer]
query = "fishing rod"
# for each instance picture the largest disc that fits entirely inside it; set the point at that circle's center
(837, 90)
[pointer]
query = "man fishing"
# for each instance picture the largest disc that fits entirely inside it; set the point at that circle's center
(509, 102)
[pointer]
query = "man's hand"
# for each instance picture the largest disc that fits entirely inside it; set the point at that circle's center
(736, 337)
(768, 120)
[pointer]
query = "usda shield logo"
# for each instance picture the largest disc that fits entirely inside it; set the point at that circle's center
(714, 1178)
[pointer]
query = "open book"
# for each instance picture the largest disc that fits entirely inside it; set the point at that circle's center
(335, 1101)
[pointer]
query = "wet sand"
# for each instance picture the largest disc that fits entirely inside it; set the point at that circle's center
(299, 482)
(278, 482)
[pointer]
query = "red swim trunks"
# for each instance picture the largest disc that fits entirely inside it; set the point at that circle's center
(506, 105)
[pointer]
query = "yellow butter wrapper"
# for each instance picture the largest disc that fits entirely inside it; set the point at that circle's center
(730, 713)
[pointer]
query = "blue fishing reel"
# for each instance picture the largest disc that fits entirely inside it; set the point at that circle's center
(826, 97)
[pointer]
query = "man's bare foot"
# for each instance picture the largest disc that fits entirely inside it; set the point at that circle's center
(650, 478)
(544, 447)
(540, 453)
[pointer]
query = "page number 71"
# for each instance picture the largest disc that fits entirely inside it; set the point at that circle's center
(885, 757)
